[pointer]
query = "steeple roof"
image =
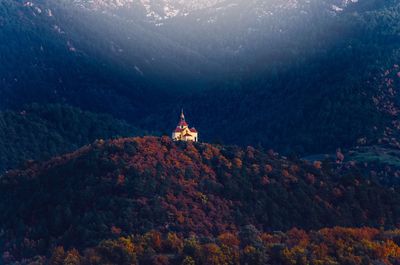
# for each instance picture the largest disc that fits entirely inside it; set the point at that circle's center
(182, 122)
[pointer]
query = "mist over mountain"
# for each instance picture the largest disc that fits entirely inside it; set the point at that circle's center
(301, 74)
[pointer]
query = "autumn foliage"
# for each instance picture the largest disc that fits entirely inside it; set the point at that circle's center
(296, 247)
(191, 203)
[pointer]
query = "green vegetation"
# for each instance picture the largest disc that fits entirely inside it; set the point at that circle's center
(376, 154)
(40, 132)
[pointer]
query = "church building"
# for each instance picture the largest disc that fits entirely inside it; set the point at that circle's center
(183, 132)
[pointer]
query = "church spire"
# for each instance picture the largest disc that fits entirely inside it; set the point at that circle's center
(182, 115)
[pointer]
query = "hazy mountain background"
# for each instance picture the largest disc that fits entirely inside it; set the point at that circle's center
(298, 76)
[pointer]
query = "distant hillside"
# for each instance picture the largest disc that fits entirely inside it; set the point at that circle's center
(135, 185)
(297, 76)
(341, 88)
(40, 132)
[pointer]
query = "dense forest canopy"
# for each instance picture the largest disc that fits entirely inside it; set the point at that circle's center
(38, 132)
(135, 185)
(250, 246)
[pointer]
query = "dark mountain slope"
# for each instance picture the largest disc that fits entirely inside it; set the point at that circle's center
(55, 51)
(40, 132)
(52, 55)
(140, 184)
(297, 79)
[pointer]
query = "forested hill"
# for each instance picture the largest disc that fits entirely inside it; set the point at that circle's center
(37, 132)
(134, 185)
(300, 76)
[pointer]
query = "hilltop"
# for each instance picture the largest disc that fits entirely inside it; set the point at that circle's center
(135, 185)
